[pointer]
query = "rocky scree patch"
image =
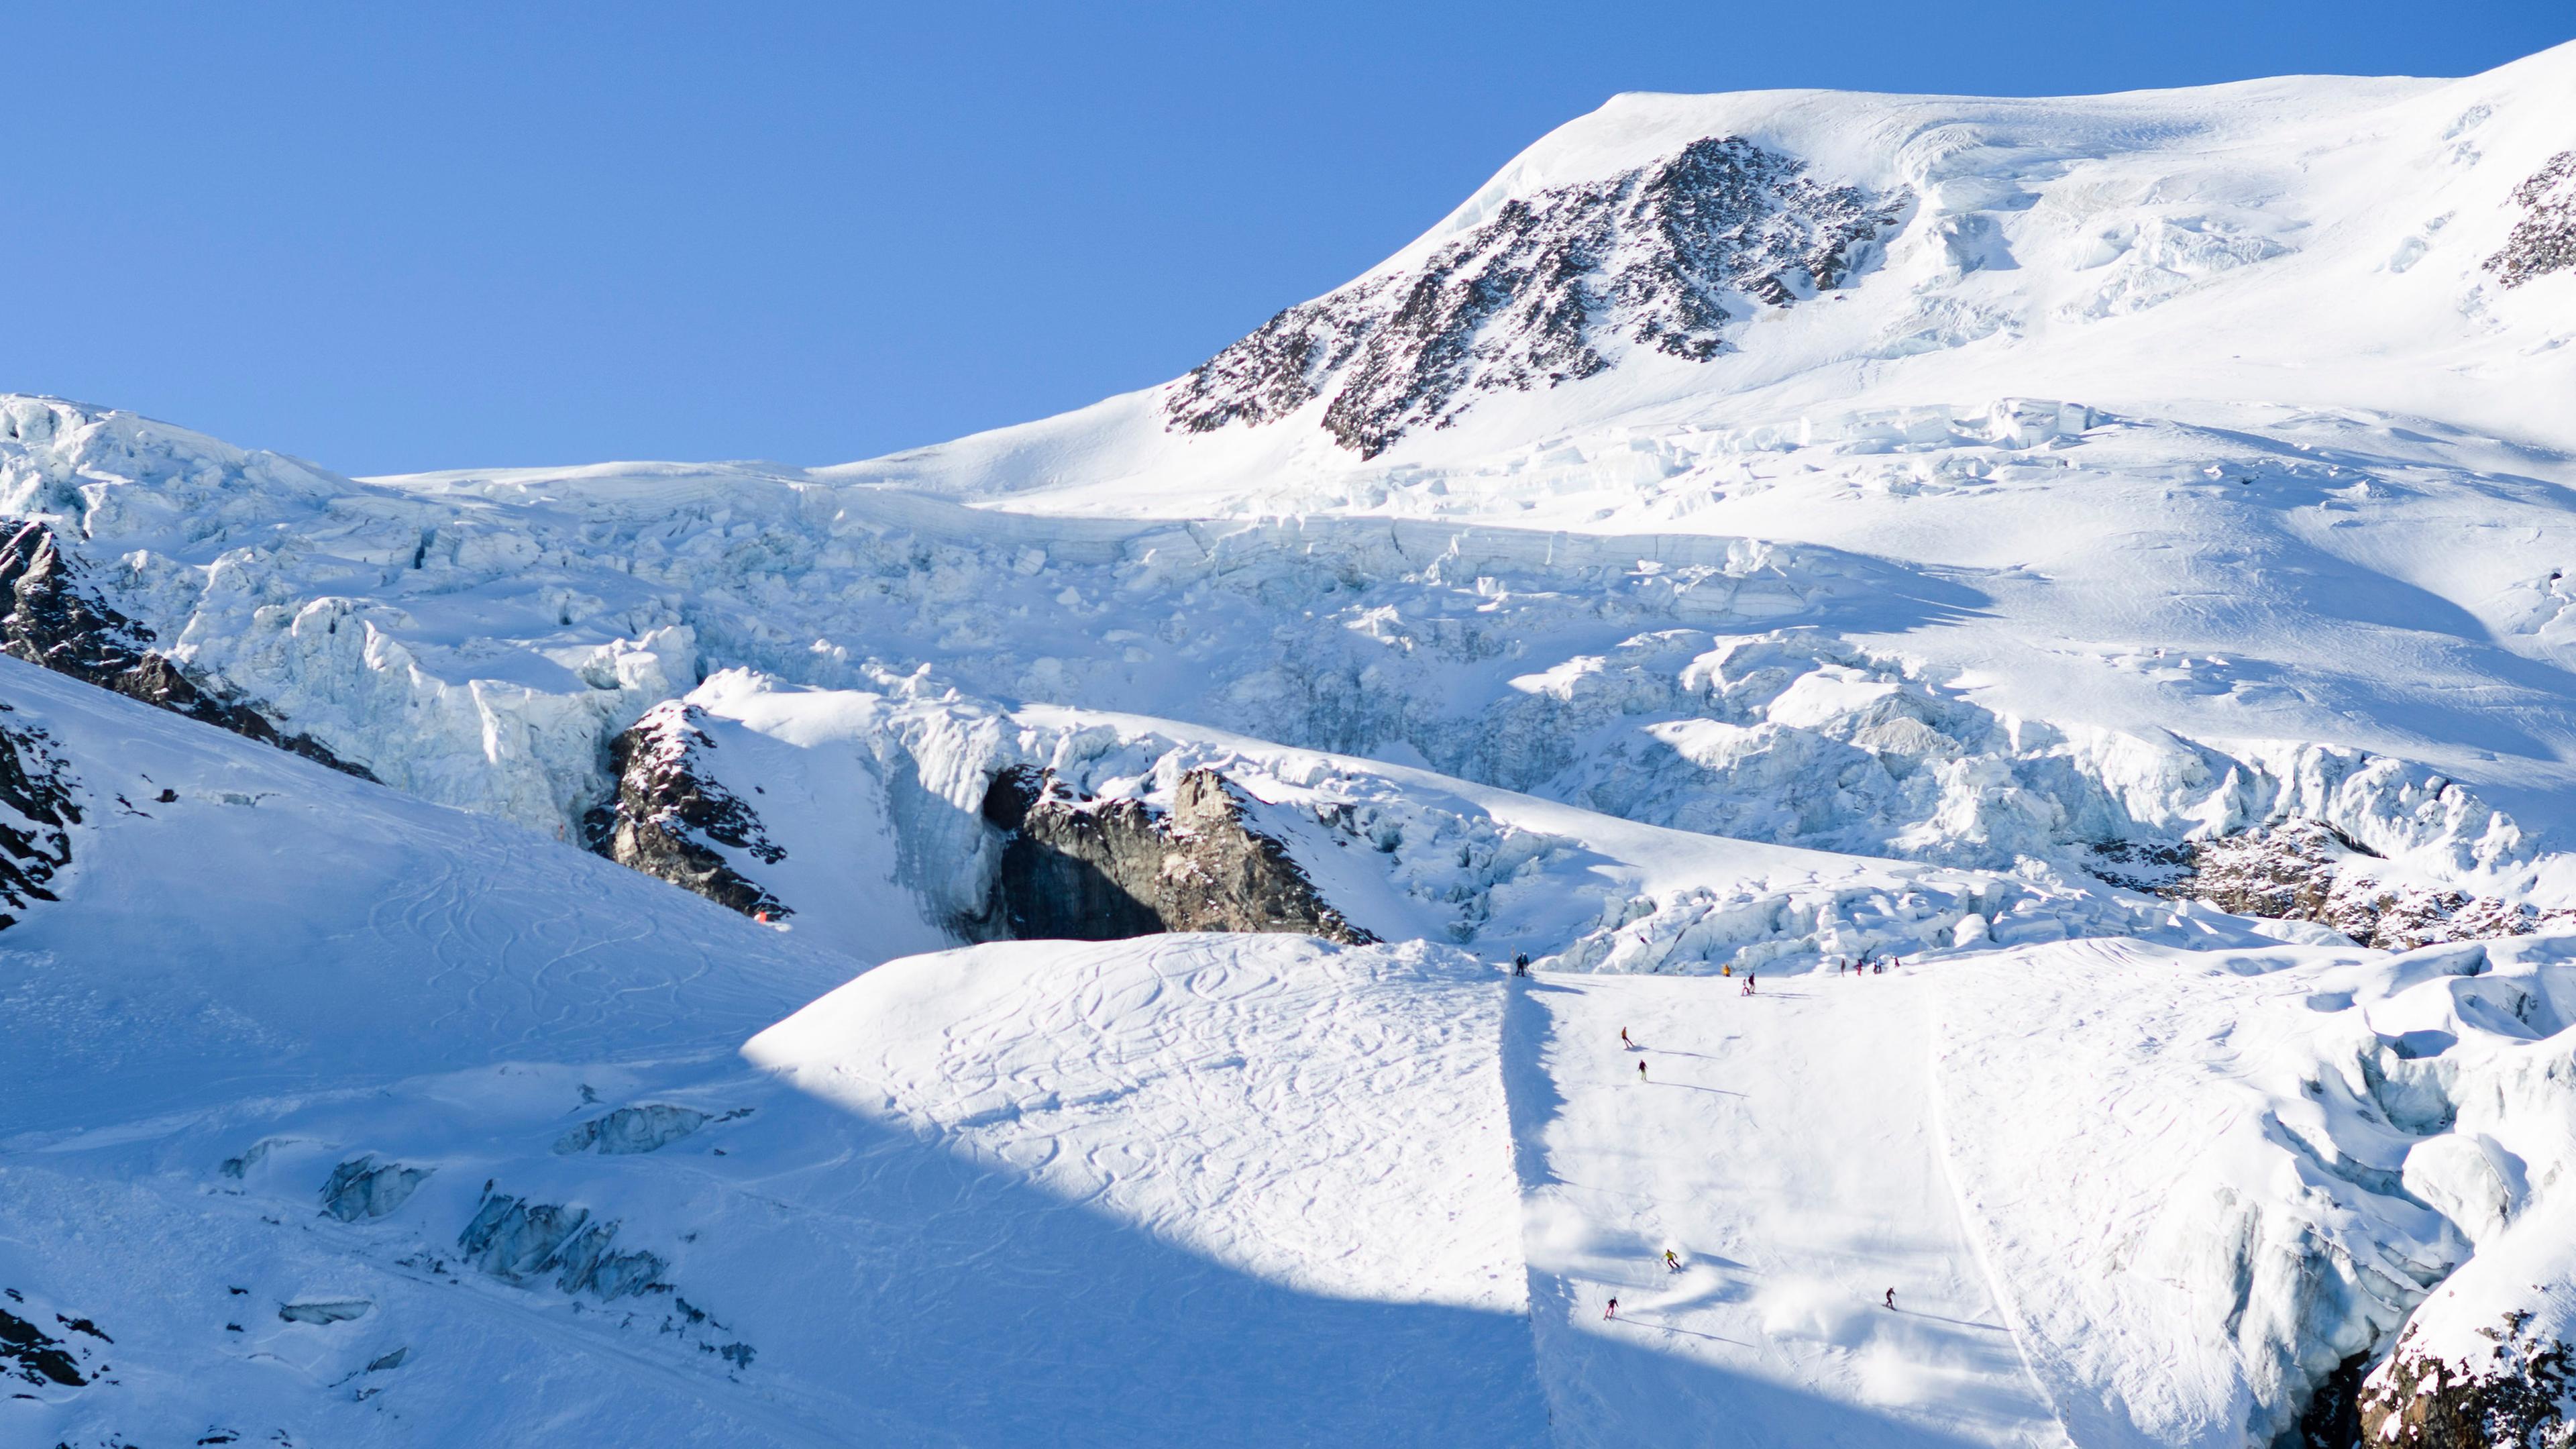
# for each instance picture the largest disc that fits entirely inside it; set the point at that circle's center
(1665, 256)
(2544, 239)
(2520, 1393)
(2306, 870)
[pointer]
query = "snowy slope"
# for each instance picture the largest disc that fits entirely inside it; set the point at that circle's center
(1752, 532)
(273, 926)
(346, 1104)
(1240, 1189)
(1796, 1176)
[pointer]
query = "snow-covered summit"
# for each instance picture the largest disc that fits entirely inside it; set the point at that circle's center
(2308, 241)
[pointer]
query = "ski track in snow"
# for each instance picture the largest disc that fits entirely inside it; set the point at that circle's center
(1780, 1145)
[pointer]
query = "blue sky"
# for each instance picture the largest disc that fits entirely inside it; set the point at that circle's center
(396, 237)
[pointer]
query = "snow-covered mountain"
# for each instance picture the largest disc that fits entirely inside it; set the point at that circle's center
(2105, 554)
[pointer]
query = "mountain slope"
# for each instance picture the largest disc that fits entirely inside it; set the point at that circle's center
(1755, 534)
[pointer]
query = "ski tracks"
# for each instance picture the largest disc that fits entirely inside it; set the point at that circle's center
(1785, 1147)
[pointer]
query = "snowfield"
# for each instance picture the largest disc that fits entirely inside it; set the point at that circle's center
(1949, 631)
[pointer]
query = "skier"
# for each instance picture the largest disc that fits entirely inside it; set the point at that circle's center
(1520, 963)
(1891, 1298)
(1641, 1069)
(1672, 1264)
(1612, 1311)
(1623, 1039)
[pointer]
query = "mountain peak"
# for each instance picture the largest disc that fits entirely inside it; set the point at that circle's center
(1661, 256)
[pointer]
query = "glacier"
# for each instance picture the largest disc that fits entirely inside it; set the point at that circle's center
(2002, 668)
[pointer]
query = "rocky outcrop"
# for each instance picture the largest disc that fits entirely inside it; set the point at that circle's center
(2306, 870)
(37, 810)
(2543, 240)
(31, 1355)
(2515, 1391)
(1664, 255)
(668, 815)
(48, 617)
(1084, 869)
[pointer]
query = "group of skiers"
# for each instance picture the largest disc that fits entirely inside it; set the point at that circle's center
(1865, 966)
(1673, 1264)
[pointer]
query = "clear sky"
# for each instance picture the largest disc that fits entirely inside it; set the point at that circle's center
(395, 237)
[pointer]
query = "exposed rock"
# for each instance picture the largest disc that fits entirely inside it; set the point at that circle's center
(37, 810)
(35, 1356)
(2544, 239)
(360, 1188)
(52, 619)
(2519, 1392)
(1662, 255)
(1077, 868)
(667, 816)
(633, 1129)
(519, 1242)
(2305, 870)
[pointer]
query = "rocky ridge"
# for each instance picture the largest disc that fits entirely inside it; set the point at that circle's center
(1663, 256)
(2307, 870)
(54, 620)
(1078, 868)
(2518, 1393)
(2543, 240)
(667, 817)
(35, 787)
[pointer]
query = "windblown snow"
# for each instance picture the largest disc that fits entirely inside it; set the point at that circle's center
(2006, 662)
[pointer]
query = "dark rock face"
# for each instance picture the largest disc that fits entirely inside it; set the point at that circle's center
(1665, 255)
(1082, 869)
(2520, 1394)
(2544, 240)
(30, 1354)
(51, 619)
(2293, 871)
(667, 810)
(2332, 1419)
(37, 810)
